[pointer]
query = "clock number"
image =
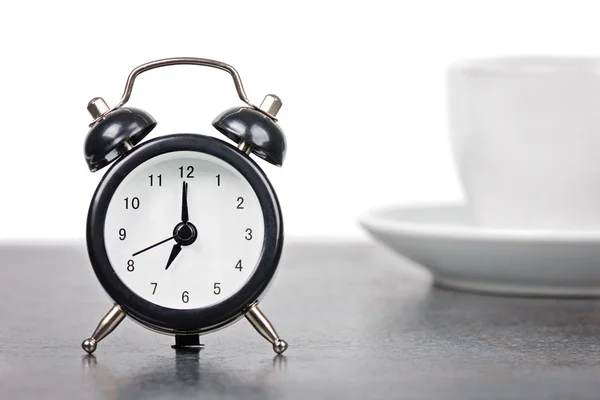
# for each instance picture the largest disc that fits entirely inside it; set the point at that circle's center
(189, 169)
(238, 266)
(122, 234)
(185, 296)
(135, 203)
(155, 285)
(218, 179)
(159, 180)
(217, 288)
(130, 267)
(240, 202)
(248, 234)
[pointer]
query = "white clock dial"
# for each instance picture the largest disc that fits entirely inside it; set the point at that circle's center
(146, 208)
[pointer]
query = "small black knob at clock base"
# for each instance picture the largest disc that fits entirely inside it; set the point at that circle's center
(187, 342)
(263, 134)
(110, 136)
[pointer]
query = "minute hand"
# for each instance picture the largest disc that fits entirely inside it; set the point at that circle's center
(184, 205)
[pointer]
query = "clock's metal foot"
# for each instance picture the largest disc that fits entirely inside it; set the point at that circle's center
(187, 342)
(110, 321)
(264, 327)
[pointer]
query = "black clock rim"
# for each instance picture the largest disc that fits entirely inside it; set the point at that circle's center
(198, 320)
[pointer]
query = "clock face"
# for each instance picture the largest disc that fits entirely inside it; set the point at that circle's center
(184, 260)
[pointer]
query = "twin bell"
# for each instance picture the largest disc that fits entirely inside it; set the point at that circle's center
(114, 132)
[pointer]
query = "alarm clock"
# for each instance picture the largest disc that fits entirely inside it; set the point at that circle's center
(184, 232)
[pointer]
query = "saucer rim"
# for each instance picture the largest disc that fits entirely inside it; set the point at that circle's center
(373, 219)
(516, 289)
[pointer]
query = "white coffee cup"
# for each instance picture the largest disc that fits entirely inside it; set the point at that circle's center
(526, 138)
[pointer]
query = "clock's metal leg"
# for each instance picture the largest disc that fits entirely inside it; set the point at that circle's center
(264, 327)
(110, 321)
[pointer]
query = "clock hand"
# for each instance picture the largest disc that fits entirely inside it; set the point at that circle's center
(154, 245)
(174, 253)
(184, 205)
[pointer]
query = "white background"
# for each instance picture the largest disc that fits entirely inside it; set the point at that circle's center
(363, 86)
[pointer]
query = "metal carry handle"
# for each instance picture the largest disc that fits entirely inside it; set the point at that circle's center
(165, 62)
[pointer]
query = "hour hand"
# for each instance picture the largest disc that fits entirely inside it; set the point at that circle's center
(174, 252)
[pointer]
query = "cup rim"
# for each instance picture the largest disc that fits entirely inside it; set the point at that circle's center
(527, 64)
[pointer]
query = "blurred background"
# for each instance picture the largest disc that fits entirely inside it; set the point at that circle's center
(363, 87)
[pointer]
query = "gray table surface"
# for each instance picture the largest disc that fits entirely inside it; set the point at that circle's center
(361, 323)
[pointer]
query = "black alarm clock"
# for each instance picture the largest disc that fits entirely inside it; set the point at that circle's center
(184, 232)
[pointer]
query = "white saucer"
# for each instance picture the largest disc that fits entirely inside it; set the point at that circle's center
(465, 256)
